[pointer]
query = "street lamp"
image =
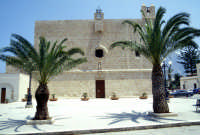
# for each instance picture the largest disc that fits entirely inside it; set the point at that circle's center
(29, 98)
(30, 69)
(164, 66)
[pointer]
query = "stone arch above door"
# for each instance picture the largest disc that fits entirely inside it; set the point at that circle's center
(98, 48)
(6, 85)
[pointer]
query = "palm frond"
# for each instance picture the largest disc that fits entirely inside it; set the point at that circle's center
(13, 61)
(74, 62)
(137, 28)
(48, 61)
(122, 44)
(53, 59)
(24, 43)
(73, 51)
(160, 39)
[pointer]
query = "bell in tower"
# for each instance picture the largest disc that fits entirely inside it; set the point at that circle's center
(99, 15)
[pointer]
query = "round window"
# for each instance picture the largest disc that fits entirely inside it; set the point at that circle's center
(99, 53)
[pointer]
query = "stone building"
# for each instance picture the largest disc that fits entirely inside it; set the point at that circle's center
(124, 72)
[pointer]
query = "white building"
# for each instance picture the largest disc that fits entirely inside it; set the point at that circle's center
(192, 82)
(13, 87)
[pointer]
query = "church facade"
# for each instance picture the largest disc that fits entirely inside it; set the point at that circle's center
(124, 72)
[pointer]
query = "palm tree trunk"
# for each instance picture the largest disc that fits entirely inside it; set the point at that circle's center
(42, 96)
(159, 103)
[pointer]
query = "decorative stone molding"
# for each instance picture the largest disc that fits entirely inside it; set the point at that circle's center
(98, 26)
(102, 47)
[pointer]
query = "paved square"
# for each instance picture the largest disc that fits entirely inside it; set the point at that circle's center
(73, 114)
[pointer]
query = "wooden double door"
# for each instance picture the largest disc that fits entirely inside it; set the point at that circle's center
(100, 88)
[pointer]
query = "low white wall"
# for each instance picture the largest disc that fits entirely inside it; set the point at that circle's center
(23, 85)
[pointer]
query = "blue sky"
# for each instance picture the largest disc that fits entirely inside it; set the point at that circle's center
(19, 16)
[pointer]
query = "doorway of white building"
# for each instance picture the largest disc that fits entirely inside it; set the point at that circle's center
(3, 95)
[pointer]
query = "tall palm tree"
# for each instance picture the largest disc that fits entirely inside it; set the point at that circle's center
(159, 40)
(49, 61)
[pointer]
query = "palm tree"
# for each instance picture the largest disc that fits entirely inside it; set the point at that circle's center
(158, 41)
(49, 61)
(23, 61)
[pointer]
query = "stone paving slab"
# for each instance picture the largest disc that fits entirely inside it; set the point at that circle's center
(73, 116)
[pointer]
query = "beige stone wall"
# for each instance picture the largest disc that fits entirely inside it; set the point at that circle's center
(10, 69)
(128, 88)
(74, 89)
(80, 33)
(124, 84)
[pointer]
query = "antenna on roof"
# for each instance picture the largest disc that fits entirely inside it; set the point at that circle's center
(99, 5)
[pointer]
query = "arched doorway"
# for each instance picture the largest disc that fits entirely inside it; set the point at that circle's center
(195, 85)
(183, 86)
(3, 95)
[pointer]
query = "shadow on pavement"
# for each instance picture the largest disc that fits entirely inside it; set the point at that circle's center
(134, 117)
(16, 124)
(11, 123)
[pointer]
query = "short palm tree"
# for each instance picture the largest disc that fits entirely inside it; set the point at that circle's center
(158, 41)
(49, 61)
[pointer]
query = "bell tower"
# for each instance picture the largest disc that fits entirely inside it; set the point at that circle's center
(148, 12)
(98, 20)
(99, 15)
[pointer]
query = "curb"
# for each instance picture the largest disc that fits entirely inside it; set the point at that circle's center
(92, 131)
